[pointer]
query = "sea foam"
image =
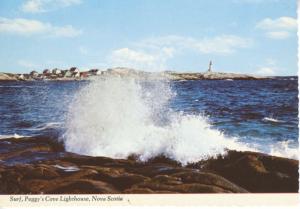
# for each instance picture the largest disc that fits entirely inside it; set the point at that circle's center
(15, 136)
(45, 126)
(285, 149)
(117, 117)
(272, 120)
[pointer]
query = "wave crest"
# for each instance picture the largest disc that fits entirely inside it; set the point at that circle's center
(117, 117)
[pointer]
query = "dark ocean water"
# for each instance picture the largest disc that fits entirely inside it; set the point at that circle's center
(251, 110)
(262, 112)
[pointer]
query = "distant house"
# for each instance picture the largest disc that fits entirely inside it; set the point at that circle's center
(46, 72)
(34, 73)
(67, 73)
(84, 74)
(74, 69)
(94, 72)
(76, 74)
(21, 77)
(63, 72)
(53, 76)
(56, 71)
(27, 76)
(73, 72)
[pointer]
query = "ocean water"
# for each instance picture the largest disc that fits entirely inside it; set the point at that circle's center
(184, 120)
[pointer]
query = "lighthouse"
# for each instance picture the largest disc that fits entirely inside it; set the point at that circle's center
(209, 66)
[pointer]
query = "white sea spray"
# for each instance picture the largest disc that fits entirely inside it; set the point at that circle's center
(117, 117)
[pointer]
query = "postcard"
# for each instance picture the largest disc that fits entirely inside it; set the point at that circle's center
(148, 102)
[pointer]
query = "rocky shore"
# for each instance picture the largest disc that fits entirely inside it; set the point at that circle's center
(8, 77)
(127, 72)
(40, 165)
(212, 76)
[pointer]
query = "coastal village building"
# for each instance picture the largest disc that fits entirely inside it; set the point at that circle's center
(56, 71)
(63, 72)
(76, 74)
(68, 74)
(74, 70)
(27, 76)
(21, 77)
(84, 74)
(34, 73)
(46, 72)
(95, 72)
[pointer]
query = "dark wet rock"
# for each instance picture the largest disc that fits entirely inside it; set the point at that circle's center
(41, 166)
(100, 161)
(209, 179)
(36, 142)
(83, 187)
(10, 182)
(157, 169)
(161, 159)
(191, 182)
(37, 172)
(254, 171)
(181, 188)
(82, 174)
(30, 149)
(117, 176)
(139, 191)
(127, 180)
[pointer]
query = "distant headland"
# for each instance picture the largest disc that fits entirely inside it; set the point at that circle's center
(75, 73)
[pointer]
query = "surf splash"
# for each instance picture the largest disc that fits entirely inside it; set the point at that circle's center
(118, 117)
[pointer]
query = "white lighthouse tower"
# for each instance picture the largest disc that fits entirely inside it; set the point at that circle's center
(209, 66)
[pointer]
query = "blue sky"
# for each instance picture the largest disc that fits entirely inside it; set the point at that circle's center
(242, 36)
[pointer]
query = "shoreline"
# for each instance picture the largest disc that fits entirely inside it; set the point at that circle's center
(124, 72)
(48, 169)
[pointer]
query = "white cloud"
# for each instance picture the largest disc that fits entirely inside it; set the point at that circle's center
(28, 27)
(132, 55)
(65, 31)
(39, 65)
(269, 68)
(83, 50)
(278, 34)
(168, 51)
(39, 6)
(27, 64)
(281, 23)
(223, 44)
(266, 71)
(154, 53)
(138, 59)
(280, 28)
